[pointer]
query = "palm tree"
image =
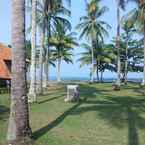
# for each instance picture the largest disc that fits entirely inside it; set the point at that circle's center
(128, 33)
(103, 55)
(52, 8)
(32, 89)
(19, 116)
(137, 16)
(47, 17)
(63, 43)
(120, 4)
(60, 55)
(92, 27)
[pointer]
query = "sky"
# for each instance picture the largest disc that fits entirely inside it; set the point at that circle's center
(78, 10)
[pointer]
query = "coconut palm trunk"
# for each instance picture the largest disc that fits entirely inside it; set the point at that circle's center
(93, 67)
(47, 56)
(97, 71)
(32, 89)
(18, 127)
(42, 33)
(126, 61)
(101, 76)
(58, 66)
(144, 59)
(118, 45)
(58, 70)
(46, 68)
(92, 76)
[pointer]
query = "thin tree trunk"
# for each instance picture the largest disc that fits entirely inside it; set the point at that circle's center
(97, 71)
(101, 72)
(58, 67)
(47, 56)
(92, 76)
(32, 90)
(118, 45)
(126, 61)
(46, 71)
(18, 127)
(101, 76)
(143, 83)
(40, 89)
(46, 68)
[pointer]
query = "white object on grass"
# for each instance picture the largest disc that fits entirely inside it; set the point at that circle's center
(72, 93)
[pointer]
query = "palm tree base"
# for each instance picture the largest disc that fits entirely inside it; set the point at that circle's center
(116, 87)
(143, 83)
(32, 98)
(45, 84)
(22, 141)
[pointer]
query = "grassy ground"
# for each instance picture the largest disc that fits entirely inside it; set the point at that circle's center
(102, 117)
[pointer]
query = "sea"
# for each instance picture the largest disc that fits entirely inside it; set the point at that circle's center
(53, 78)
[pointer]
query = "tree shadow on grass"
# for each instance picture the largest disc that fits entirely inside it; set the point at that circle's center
(89, 91)
(54, 123)
(140, 90)
(50, 99)
(52, 92)
(4, 111)
(119, 112)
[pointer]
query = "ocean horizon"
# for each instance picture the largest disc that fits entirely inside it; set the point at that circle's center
(78, 78)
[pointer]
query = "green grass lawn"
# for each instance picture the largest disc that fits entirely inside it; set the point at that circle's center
(102, 117)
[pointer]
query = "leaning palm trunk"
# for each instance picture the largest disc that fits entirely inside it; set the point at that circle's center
(32, 90)
(58, 70)
(118, 46)
(18, 127)
(143, 83)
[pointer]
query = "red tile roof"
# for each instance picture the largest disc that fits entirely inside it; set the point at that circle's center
(5, 54)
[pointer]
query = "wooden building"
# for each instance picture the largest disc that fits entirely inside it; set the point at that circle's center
(5, 64)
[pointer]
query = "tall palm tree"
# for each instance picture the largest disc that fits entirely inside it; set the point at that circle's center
(32, 89)
(104, 57)
(92, 27)
(19, 116)
(137, 16)
(48, 15)
(119, 4)
(127, 35)
(51, 8)
(62, 55)
(63, 43)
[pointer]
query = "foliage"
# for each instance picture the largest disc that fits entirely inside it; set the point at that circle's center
(63, 43)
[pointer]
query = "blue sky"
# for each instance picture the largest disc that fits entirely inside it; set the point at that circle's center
(78, 10)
